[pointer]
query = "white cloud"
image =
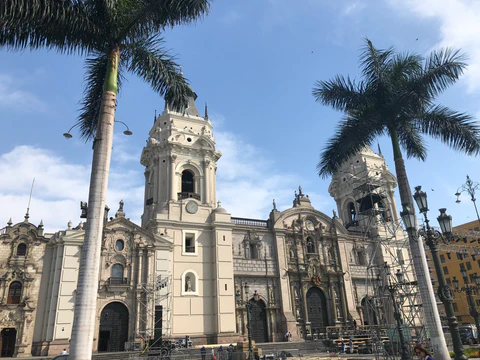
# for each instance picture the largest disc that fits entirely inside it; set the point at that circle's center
(459, 28)
(247, 182)
(12, 96)
(353, 8)
(59, 188)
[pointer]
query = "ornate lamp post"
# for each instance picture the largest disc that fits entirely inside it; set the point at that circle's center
(470, 187)
(469, 289)
(392, 289)
(432, 237)
(248, 307)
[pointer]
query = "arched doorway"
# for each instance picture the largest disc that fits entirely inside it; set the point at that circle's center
(8, 336)
(317, 310)
(368, 311)
(113, 327)
(258, 321)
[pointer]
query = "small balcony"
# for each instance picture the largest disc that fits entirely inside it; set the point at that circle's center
(188, 195)
(117, 284)
(117, 281)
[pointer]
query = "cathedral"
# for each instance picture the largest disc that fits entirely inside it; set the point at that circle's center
(189, 268)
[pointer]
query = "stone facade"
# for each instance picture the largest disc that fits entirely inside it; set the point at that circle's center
(190, 268)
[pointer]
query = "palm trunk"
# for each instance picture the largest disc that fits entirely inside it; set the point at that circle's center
(85, 310)
(420, 264)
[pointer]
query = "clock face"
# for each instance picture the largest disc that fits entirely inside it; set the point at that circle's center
(192, 207)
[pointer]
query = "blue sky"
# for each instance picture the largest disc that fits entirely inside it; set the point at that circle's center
(255, 62)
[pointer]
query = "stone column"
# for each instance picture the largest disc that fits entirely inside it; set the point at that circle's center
(206, 177)
(172, 177)
(331, 292)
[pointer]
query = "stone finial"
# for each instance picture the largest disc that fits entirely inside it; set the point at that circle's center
(69, 225)
(41, 224)
(9, 223)
(219, 204)
(274, 205)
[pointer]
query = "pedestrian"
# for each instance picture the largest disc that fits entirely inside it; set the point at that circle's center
(422, 353)
(230, 352)
(203, 351)
(220, 353)
(342, 347)
(350, 344)
(64, 352)
(354, 324)
(213, 354)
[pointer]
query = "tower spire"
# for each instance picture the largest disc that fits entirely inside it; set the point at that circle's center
(206, 111)
(379, 150)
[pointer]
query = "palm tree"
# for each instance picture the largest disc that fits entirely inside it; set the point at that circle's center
(116, 36)
(396, 98)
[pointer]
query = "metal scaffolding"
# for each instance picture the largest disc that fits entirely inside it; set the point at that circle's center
(154, 311)
(390, 274)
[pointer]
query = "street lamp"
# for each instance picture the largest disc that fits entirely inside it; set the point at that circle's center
(248, 306)
(392, 289)
(444, 292)
(469, 289)
(470, 187)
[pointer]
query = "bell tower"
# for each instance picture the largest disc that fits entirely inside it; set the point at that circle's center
(363, 189)
(180, 162)
(180, 205)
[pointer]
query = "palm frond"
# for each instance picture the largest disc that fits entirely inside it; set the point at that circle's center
(442, 69)
(148, 16)
(150, 61)
(458, 130)
(96, 69)
(412, 141)
(374, 62)
(63, 25)
(340, 93)
(352, 135)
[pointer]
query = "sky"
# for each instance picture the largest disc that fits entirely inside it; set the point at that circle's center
(255, 62)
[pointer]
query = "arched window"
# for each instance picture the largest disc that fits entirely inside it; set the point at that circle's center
(21, 249)
(352, 212)
(187, 182)
(14, 293)
(117, 271)
(119, 245)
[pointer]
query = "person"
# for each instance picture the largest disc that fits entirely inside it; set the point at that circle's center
(288, 336)
(203, 351)
(230, 352)
(342, 347)
(220, 353)
(350, 344)
(64, 352)
(422, 353)
(354, 323)
(213, 354)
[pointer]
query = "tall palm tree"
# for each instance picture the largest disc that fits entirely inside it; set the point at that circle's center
(116, 36)
(396, 98)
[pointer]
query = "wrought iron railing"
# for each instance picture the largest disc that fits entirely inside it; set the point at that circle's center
(188, 195)
(117, 281)
(249, 222)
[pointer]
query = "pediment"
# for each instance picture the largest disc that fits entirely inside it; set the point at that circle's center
(310, 219)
